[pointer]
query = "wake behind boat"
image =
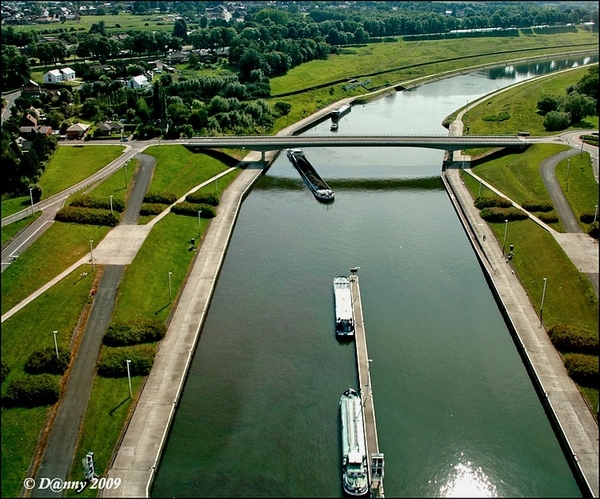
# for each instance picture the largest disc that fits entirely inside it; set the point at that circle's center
(355, 472)
(316, 184)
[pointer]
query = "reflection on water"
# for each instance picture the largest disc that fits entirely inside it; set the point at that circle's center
(467, 480)
(528, 70)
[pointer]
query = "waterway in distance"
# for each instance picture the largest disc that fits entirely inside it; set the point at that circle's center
(457, 414)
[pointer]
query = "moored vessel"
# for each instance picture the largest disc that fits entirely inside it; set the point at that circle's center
(355, 472)
(336, 114)
(315, 183)
(344, 316)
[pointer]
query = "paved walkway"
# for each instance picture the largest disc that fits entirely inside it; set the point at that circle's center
(576, 427)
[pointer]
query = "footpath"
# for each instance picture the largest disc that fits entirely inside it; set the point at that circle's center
(574, 424)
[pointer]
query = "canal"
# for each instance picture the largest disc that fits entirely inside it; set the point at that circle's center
(457, 414)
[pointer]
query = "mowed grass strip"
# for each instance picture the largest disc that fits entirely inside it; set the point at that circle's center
(72, 164)
(58, 248)
(30, 329)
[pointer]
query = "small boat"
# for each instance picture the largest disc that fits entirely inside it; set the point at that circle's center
(355, 471)
(344, 316)
(315, 183)
(334, 126)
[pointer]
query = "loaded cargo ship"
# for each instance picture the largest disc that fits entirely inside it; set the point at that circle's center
(344, 316)
(355, 472)
(336, 114)
(315, 183)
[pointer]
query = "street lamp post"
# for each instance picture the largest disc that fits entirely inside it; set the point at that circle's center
(55, 343)
(125, 170)
(199, 224)
(170, 289)
(505, 231)
(129, 378)
(111, 205)
(91, 253)
(543, 296)
(596, 214)
(31, 199)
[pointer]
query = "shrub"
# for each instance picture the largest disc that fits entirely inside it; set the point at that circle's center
(502, 214)
(152, 209)
(160, 197)
(113, 361)
(549, 218)
(101, 204)
(202, 198)
(191, 210)
(556, 120)
(547, 104)
(534, 205)
(587, 217)
(36, 193)
(582, 368)
(45, 361)
(122, 334)
(570, 339)
(88, 216)
(33, 391)
(503, 116)
(492, 201)
(4, 370)
(594, 231)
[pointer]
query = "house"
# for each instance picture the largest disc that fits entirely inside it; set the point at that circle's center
(138, 82)
(29, 131)
(77, 131)
(31, 89)
(53, 76)
(29, 120)
(68, 74)
(107, 128)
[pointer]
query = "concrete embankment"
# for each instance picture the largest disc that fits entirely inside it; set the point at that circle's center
(571, 418)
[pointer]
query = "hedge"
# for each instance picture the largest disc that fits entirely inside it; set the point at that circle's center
(45, 361)
(32, 391)
(200, 198)
(100, 204)
(587, 217)
(88, 216)
(191, 210)
(160, 197)
(567, 338)
(113, 360)
(492, 202)
(122, 334)
(152, 209)
(502, 214)
(582, 368)
(533, 205)
(549, 218)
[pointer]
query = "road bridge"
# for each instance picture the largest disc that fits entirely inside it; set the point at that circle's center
(270, 143)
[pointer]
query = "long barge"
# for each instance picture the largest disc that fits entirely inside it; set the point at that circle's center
(315, 183)
(344, 316)
(355, 471)
(336, 114)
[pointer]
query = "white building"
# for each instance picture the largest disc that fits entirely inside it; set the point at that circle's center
(53, 76)
(68, 74)
(138, 82)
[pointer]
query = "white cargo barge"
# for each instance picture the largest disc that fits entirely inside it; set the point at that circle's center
(344, 315)
(355, 471)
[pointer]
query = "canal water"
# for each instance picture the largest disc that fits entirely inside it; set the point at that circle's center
(457, 414)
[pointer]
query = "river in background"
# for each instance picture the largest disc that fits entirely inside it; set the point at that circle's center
(457, 414)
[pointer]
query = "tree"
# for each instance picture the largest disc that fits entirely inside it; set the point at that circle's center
(158, 101)
(14, 67)
(578, 106)
(547, 104)
(180, 29)
(556, 120)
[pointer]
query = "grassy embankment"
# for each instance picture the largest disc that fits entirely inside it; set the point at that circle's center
(166, 250)
(570, 298)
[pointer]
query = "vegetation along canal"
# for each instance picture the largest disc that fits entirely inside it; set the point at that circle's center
(457, 414)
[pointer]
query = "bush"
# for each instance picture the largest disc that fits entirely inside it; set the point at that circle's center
(587, 217)
(88, 216)
(122, 334)
(152, 209)
(570, 339)
(191, 210)
(556, 120)
(45, 361)
(502, 214)
(33, 391)
(113, 361)
(36, 193)
(582, 368)
(202, 198)
(594, 231)
(4, 370)
(100, 204)
(492, 201)
(549, 218)
(160, 198)
(534, 205)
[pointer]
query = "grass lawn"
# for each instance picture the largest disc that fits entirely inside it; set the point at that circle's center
(28, 330)
(11, 230)
(72, 164)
